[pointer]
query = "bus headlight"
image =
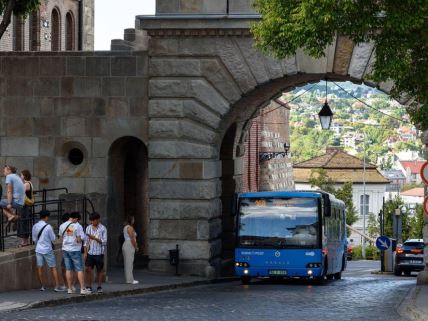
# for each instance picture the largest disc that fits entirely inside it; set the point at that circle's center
(246, 271)
(242, 264)
(310, 272)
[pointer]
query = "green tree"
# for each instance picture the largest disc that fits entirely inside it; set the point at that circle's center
(398, 30)
(417, 223)
(319, 178)
(373, 227)
(17, 8)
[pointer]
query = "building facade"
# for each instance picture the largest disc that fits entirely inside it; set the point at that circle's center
(368, 184)
(58, 25)
(267, 161)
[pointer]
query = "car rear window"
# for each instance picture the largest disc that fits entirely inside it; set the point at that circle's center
(416, 245)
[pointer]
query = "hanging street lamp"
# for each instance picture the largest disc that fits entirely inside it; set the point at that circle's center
(325, 114)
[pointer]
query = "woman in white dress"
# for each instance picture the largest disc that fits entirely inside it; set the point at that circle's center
(129, 248)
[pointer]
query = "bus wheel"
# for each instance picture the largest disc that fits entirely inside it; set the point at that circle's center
(338, 275)
(329, 276)
(245, 280)
(319, 280)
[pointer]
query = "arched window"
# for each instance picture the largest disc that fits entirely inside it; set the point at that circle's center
(18, 33)
(69, 32)
(56, 30)
(34, 33)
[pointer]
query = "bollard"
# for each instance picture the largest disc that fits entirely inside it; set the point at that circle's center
(174, 258)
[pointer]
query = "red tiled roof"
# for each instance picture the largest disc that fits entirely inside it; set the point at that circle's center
(417, 191)
(414, 166)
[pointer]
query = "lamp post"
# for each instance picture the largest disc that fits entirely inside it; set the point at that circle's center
(363, 246)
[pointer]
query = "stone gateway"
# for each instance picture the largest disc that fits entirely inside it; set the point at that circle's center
(161, 122)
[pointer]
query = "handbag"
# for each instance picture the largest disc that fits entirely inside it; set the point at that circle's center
(29, 201)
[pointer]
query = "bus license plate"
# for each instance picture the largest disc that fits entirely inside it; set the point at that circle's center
(278, 272)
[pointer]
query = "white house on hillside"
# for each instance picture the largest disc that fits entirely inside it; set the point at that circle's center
(342, 167)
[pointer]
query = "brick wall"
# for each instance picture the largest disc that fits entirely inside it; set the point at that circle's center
(41, 38)
(268, 133)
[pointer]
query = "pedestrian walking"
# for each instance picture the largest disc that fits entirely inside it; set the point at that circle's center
(72, 239)
(129, 248)
(24, 221)
(44, 236)
(15, 194)
(95, 244)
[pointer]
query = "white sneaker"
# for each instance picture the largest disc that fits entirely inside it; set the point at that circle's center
(71, 291)
(135, 282)
(59, 289)
(85, 292)
(42, 288)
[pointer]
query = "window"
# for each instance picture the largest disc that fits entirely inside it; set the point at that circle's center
(364, 204)
(69, 32)
(56, 30)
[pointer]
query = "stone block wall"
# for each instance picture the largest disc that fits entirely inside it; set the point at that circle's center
(53, 103)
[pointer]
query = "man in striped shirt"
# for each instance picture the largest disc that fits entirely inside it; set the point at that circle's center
(95, 245)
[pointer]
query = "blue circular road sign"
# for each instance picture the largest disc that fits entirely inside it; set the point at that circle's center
(383, 242)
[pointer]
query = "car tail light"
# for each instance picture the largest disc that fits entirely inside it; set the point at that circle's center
(399, 250)
(416, 251)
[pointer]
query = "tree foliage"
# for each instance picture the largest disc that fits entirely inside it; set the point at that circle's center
(319, 178)
(15, 7)
(398, 30)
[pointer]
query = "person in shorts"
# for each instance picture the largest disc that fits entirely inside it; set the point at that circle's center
(15, 194)
(95, 244)
(72, 238)
(43, 236)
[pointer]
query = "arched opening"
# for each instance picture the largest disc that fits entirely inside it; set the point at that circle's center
(56, 30)
(128, 194)
(18, 33)
(69, 32)
(228, 188)
(34, 33)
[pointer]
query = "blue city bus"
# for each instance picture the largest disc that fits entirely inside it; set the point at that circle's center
(298, 234)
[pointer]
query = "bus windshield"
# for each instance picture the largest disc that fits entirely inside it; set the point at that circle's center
(278, 223)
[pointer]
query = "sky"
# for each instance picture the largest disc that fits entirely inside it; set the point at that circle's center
(111, 19)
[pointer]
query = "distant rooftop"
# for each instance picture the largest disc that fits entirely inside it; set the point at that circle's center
(417, 192)
(341, 168)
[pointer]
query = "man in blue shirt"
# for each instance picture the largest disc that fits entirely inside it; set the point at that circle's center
(15, 193)
(43, 237)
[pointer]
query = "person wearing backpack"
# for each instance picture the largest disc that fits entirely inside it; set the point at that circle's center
(72, 239)
(43, 237)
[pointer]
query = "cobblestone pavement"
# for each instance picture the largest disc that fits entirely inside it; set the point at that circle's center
(358, 296)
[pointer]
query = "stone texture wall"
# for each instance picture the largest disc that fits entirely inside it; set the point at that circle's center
(204, 7)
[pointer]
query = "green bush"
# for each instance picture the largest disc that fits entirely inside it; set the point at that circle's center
(371, 253)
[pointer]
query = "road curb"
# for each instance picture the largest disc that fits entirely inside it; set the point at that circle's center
(121, 293)
(408, 309)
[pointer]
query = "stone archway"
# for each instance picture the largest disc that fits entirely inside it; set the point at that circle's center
(204, 76)
(127, 191)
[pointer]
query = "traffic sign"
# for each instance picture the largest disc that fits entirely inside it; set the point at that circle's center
(424, 172)
(383, 242)
(426, 205)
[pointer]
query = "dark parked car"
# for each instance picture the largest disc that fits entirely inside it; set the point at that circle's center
(409, 257)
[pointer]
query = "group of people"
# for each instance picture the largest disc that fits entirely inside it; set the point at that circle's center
(82, 251)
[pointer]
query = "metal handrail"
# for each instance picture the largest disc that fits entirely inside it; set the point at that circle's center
(58, 211)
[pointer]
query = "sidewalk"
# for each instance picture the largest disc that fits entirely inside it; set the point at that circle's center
(415, 305)
(149, 282)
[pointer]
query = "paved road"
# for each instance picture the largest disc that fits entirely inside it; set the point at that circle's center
(358, 296)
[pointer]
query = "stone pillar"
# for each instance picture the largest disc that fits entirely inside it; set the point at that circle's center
(88, 31)
(423, 275)
(220, 7)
